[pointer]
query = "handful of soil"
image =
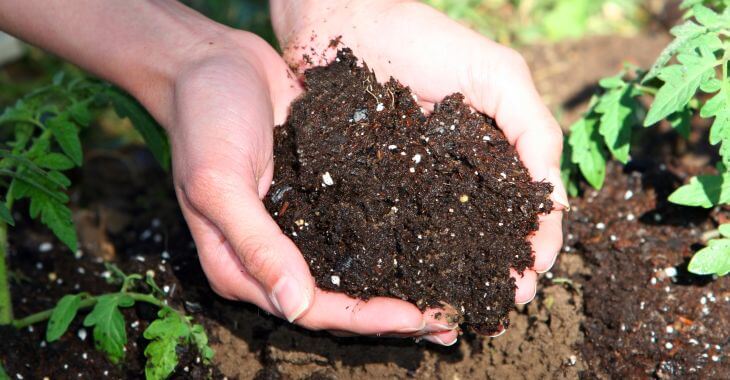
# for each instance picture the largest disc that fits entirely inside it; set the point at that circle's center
(383, 200)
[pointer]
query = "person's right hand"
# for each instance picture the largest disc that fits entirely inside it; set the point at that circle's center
(225, 106)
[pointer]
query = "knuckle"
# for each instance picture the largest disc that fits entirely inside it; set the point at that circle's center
(259, 259)
(515, 61)
(201, 184)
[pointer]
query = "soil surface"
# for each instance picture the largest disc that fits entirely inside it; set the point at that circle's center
(383, 200)
(603, 312)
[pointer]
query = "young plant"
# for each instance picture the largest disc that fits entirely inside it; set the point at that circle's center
(172, 328)
(40, 137)
(693, 66)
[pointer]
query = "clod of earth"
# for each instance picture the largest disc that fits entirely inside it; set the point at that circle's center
(384, 200)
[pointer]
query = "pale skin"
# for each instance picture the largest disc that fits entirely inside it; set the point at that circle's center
(219, 93)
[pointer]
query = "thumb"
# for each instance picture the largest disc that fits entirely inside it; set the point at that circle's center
(232, 204)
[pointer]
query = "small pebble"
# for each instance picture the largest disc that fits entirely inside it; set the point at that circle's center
(464, 198)
(416, 158)
(327, 179)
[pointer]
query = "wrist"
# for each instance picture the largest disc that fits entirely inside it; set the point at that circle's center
(290, 18)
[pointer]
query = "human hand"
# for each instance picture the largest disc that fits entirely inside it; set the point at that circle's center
(224, 111)
(435, 57)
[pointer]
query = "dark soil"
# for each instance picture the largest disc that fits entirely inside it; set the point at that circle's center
(598, 314)
(383, 200)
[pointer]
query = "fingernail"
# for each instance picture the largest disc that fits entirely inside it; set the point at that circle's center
(437, 340)
(504, 330)
(534, 293)
(410, 330)
(549, 266)
(561, 200)
(439, 327)
(290, 298)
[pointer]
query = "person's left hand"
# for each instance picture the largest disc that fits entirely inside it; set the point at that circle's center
(435, 56)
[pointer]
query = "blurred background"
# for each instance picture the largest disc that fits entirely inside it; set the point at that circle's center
(568, 43)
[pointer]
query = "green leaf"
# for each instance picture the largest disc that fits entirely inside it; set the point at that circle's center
(200, 339)
(617, 116)
(719, 108)
(80, 112)
(567, 170)
(20, 112)
(713, 259)
(58, 218)
(3, 374)
(681, 82)
(724, 229)
(151, 132)
(587, 150)
(681, 121)
(5, 215)
(67, 136)
(685, 34)
(56, 161)
(110, 334)
(703, 191)
(62, 315)
(612, 82)
(165, 333)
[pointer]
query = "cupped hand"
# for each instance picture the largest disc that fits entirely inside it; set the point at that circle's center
(435, 57)
(225, 107)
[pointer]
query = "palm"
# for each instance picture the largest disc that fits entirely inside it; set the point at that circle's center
(223, 165)
(436, 57)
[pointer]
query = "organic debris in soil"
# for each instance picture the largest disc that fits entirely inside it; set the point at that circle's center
(383, 200)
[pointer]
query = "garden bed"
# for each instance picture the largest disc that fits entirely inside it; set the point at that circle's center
(619, 303)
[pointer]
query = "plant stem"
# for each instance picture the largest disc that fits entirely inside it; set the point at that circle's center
(84, 304)
(646, 89)
(6, 302)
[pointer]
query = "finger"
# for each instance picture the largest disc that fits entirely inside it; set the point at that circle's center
(225, 272)
(526, 286)
(232, 204)
(379, 315)
(547, 241)
(446, 338)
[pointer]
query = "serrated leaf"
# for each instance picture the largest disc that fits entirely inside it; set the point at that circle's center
(165, 333)
(617, 108)
(67, 136)
(681, 82)
(80, 113)
(713, 259)
(588, 151)
(55, 161)
(153, 135)
(57, 217)
(20, 112)
(612, 82)
(5, 215)
(62, 315)
(703, 191)
(684, 35)
(110, 334)
(200, 339)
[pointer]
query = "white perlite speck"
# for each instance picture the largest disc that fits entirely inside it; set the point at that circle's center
(416, 158)
(628, 194)
(81, 334)
(600, 226)
(668, 345)
(392, 147)
(379, 107)
(327, 179)
(335, 280)
(45, 247)
(670, 271)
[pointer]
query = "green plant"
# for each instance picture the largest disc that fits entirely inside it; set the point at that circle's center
(526, 21)
(41, 141)
(693, 67)
(171, 330)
